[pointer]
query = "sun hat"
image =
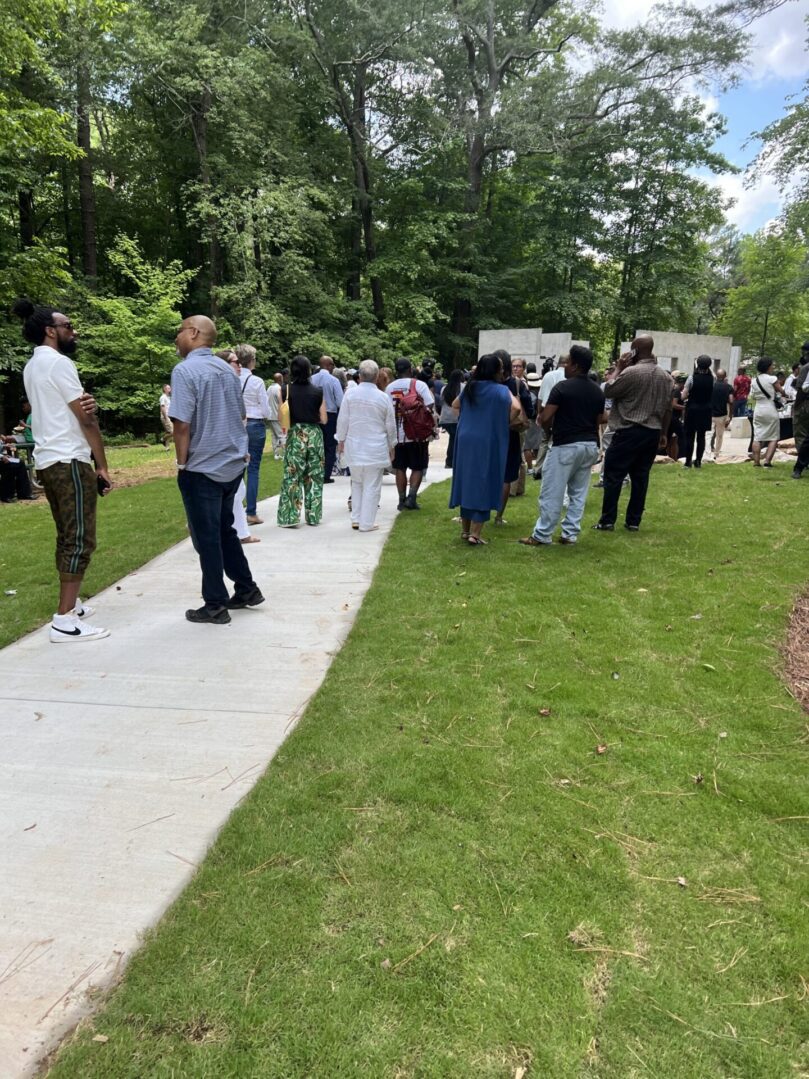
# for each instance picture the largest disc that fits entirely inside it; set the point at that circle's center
(533, 378)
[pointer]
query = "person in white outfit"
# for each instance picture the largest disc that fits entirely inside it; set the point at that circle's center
(366, 439)
(239, 512)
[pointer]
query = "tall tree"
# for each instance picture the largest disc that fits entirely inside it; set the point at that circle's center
(768, 312)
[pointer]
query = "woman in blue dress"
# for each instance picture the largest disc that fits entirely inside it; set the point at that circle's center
(486, 408)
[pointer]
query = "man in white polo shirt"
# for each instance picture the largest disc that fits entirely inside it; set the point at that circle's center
(550, 379)
(67, 438)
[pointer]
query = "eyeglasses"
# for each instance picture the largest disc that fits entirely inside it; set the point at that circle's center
(62, 325)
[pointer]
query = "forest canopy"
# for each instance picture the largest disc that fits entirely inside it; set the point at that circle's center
(376, 179)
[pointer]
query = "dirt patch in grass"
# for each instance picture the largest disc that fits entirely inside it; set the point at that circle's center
(797, 651)
(134, 475)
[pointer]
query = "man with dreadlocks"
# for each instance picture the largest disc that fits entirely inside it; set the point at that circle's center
(67, 440)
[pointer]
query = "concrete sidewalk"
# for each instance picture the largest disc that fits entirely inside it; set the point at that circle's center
(122, 758)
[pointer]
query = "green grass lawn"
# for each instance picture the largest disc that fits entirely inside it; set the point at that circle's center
(134, 524)
(441, 875)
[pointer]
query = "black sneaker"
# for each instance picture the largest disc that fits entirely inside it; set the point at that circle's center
(599, 527)
(249, 599)
(632, 528)
(217, 616)
(797, 473)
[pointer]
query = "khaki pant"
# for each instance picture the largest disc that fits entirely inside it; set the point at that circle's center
(518, 486)
(719, 428)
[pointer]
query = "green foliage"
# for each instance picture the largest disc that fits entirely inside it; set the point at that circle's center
(365, 181)
(128, 340)
(36, 271)
(767, 313)
(27, 124)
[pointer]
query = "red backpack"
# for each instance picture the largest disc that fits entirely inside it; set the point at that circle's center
(415, 417)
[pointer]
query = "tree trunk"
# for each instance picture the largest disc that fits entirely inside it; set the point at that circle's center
(87, 199)
(362, 182)
(66, 221)
(353, 278)
(258, 260)
(199, 123)
(462, 307)
(25, 202)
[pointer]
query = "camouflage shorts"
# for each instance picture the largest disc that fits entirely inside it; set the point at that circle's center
(72, 493)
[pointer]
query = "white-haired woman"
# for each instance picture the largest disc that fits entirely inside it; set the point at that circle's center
(366, 438)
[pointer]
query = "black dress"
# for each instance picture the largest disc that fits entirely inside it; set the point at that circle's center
(514, 455)
(698, 414)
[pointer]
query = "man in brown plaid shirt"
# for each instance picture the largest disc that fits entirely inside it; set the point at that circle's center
(641, 411)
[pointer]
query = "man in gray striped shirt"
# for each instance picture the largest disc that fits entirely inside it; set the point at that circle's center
(641, 395)
(211, 442)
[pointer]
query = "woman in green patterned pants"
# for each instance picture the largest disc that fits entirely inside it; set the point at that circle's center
(303, 455)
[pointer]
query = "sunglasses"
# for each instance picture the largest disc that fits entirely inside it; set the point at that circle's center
(62, 325)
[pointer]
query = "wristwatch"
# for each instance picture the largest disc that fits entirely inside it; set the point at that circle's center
(179, 466)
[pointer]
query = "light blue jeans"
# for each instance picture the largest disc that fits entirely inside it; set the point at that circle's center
(566, 468)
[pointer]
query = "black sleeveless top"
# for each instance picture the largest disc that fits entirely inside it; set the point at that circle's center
(304, 402)
(701, 392)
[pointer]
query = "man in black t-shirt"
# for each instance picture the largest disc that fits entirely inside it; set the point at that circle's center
(572, 414)
(721, 410)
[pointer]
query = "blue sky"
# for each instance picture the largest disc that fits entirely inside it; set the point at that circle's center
(748, 108)
(778, 67)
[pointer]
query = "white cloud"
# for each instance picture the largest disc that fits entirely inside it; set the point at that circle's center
(709, 103)
(779, 49)
(753, 207)
(779, 38)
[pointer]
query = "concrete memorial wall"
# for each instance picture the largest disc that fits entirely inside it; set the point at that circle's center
(679, 351)
(532, 344)
(524, 343)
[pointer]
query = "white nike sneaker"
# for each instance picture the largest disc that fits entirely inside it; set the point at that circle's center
(81, 610)
(67, 627)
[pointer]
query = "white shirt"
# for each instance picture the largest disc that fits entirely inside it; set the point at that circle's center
(51, 383)
(366, 423)
(762, 392)
(548, 382)
(273, 400)
(165, 401)
(401, 385)
(254, 395)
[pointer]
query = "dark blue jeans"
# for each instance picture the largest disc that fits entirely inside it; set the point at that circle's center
(209, 509)
(329, 429)
(256, 437)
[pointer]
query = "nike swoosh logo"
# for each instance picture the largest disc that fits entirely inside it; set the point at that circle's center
(69, 632)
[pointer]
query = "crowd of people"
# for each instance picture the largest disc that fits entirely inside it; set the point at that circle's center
(504, 420)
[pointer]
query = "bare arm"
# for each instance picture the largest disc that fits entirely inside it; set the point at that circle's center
(664, 430)
(323, 416)
(92, 432)
(182, 437)
(546, 418)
